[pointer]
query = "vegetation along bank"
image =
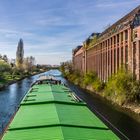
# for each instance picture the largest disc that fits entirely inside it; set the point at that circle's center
(121, 88)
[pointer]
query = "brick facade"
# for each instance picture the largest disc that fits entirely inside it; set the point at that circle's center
(116, 46)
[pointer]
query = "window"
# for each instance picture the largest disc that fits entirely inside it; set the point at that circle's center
(121, 55)
(117, 38)
(111, 61)
(114, 60)
(111, 41)
(134, 57)
(121, 36)
(126, 54)
(126, 34)
(118, 57)
(114, 39)
(139, 59)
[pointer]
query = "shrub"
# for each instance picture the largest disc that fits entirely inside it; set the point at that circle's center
(98, 85)
(4, 66)
(92, 79)
(89, 78)
(122, 87)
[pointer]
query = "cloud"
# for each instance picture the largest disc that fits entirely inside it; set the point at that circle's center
(51, 29)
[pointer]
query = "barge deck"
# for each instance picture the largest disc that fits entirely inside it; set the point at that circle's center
(53, 112)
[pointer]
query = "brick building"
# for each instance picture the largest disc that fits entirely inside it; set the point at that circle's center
(118, 45)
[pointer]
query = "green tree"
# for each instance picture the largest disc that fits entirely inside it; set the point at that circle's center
(20, 55)
(4, 66)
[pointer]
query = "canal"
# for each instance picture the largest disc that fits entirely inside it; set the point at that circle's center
(10, 98)
(120, 123)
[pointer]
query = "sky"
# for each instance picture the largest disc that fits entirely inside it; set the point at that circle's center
(50, 29)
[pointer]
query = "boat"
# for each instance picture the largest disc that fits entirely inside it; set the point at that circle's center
(51, 111)
(55, 73)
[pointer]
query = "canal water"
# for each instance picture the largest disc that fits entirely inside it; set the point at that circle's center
(120, 123)
(10, 98)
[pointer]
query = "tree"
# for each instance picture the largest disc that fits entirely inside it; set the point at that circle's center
(20, 55)
(32, 61)
(66, 67)
(4, 66)
(5, 58)
(28, 64)
(0, 56)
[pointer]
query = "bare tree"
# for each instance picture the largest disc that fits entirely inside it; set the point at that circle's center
(29, 62)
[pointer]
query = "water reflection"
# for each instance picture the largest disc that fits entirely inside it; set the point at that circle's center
(117, 119)
(10, 99)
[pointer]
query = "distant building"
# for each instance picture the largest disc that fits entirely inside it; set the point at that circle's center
(118, 45)
(20, 54)
(78, 59)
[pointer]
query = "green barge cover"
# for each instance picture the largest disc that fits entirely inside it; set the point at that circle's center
(48, 112)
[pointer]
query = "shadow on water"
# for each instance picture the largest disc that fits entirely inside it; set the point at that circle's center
(121, 124)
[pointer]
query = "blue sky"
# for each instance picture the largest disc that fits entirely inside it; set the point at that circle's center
(50, 29)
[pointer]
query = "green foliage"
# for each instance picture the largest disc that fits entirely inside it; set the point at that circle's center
(92, 79)
(89, 78)
(66, 68)
(122, 87)
(10, 72)
(98, 85)
(91, 41)
(4, 66)
(5, 71)
(75, 77)
(94, 40)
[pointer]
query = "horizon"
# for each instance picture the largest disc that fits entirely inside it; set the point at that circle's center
(51, 29)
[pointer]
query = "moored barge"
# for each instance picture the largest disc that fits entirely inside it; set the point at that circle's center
(51, 111)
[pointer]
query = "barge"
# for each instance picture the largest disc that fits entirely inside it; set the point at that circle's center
(51, 111)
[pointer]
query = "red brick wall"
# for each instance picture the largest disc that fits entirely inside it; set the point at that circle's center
(108, 55)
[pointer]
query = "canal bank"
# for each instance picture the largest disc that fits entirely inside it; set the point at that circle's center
(131, 109)
(17, 80)
(118, 95)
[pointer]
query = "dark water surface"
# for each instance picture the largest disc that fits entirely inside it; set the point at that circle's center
(120, 123)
